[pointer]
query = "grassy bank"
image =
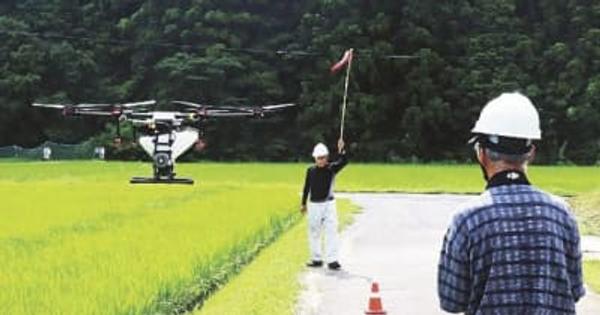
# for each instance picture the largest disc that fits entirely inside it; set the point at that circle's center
(592, 274)
(588, 212)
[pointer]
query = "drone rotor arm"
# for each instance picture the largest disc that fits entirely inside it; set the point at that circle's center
(134, 115)
(140, 122)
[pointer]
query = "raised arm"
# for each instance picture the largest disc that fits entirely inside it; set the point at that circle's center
(342, 159)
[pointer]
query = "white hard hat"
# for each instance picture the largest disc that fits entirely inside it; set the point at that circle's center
(510, 115)
(320, 150)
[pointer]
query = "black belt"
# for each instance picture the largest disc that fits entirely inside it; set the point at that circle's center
(323, 200)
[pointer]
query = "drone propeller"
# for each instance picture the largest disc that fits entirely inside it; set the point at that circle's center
(55, 106)
(231, 114)
(92, 105)
(139, 104)
(88, 105)
(67, 110)
(278, 106)
(231, 111)
(120, 112)
(189, 104)
(114, 110)
(209, 107)
(260, 111)
(96, 113)
(124, 105)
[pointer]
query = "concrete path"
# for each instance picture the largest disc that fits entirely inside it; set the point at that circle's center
(590, 246)
(395, 241)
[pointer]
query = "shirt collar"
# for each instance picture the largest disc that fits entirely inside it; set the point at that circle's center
(510, 177)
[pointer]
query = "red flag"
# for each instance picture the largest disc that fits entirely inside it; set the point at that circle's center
(347, 59)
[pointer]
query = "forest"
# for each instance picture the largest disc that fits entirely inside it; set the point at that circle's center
(422, 72)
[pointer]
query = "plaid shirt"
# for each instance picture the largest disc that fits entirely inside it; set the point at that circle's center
(515, 250)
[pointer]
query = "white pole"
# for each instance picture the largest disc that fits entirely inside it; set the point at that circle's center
(346, 95)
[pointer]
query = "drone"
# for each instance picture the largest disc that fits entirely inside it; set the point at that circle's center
(164, 135)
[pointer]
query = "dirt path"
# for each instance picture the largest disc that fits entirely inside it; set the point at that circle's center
(395, 241)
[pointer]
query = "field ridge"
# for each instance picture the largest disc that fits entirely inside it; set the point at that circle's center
(210, 277)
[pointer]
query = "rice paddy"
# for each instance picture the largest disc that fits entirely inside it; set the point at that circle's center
(81, 240)
(77, 238)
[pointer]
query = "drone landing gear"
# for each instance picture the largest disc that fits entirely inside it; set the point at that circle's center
(163, 167)
(153, 180)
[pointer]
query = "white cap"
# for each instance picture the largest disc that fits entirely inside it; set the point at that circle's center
(320, 150)
(510, 115)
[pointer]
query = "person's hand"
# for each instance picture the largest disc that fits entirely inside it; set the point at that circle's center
(303, 209)
(341, 145)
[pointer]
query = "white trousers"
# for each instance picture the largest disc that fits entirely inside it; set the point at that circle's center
(322, 217)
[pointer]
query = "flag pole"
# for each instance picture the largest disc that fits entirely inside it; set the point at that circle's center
(345, 103)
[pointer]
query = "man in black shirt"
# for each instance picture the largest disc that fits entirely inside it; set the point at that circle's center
(322, 213)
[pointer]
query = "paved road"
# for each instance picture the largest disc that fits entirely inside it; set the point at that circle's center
(395, 241)
(590, 245)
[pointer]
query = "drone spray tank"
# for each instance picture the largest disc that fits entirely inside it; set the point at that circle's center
(164, 142)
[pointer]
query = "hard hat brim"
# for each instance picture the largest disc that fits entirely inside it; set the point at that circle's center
(501, 144)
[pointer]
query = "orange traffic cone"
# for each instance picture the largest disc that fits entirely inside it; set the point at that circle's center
(375, 305)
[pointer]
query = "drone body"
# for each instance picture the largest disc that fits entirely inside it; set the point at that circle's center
(164, 135)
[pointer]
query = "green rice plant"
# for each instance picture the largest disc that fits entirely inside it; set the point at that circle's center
(85, 242)
(423, 178)
(562, 180)
(213, 275)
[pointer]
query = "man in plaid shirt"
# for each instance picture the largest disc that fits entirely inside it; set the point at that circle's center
(516, 249)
